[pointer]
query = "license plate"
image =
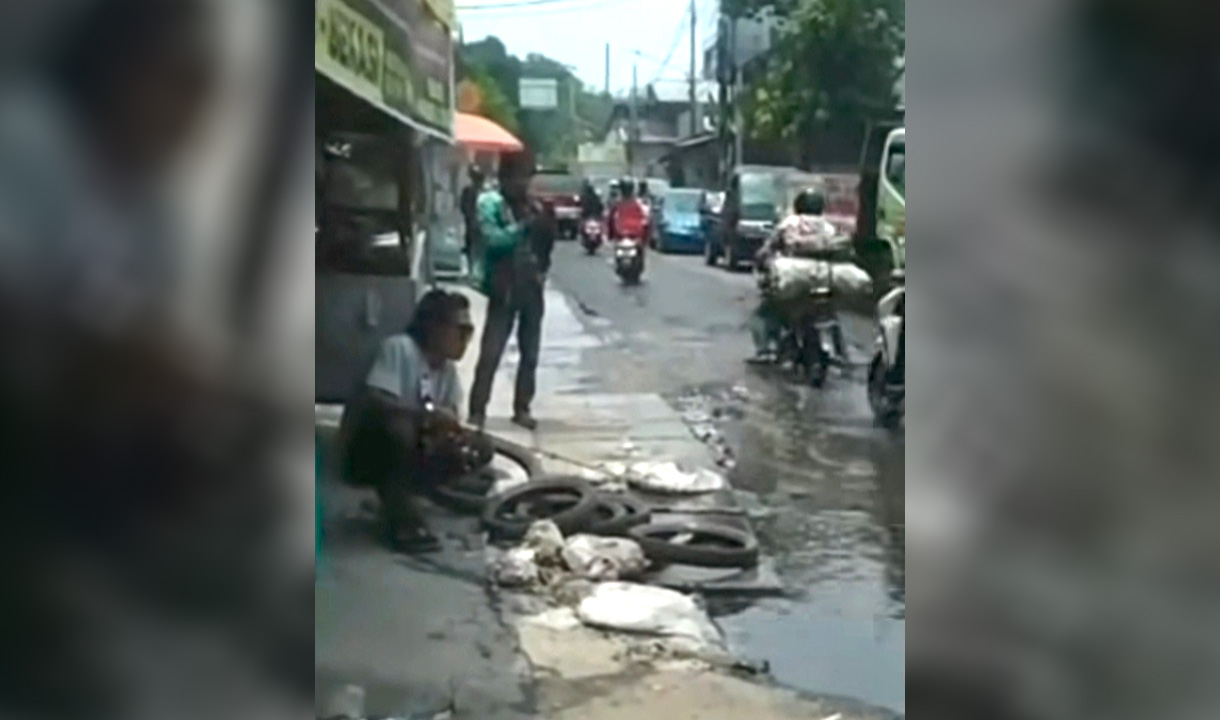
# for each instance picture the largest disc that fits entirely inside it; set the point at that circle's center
(565, 213)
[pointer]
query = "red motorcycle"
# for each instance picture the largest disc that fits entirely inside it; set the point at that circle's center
(630, 239)
(591, 235)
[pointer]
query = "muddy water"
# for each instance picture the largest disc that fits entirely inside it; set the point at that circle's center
(834, 485)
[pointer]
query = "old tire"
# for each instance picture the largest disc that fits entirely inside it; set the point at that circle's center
(467, 494)
(615, 515)
(713, 545)
(504, 522)
(519, 454)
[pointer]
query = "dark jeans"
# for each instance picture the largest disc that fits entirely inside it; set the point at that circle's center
(387, 453)
(522, 307)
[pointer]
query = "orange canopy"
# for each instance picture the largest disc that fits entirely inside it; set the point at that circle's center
(479, 133)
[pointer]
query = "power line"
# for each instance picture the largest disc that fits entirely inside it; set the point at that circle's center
(673, 46)
(534, 6)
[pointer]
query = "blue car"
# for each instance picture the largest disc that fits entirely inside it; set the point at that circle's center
(679, 225)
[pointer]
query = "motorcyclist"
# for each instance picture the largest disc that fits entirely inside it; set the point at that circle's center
(805, 221)
(628, 215)
(590, 202)
(806, 224)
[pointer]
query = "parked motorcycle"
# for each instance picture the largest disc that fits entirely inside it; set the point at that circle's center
(629, 259)
(887, 370)
(591, 235)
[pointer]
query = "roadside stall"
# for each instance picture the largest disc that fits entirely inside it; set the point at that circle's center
(384, 123)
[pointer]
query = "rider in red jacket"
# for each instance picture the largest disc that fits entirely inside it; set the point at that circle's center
(628, 217)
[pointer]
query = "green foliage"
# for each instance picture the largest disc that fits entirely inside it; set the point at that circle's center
(494, 104)
(552, 135)
(832, 68)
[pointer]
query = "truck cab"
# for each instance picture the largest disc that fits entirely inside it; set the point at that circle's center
(880, 237)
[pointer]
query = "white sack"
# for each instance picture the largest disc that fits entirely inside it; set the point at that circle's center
(629, 607)
(667, 477)
(604, 558)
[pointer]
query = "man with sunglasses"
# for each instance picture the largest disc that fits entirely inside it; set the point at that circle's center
(406, 435)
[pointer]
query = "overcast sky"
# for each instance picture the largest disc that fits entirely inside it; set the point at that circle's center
(575, 32)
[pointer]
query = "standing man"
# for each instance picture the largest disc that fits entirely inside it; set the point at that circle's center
(469, 205)
(517, 236)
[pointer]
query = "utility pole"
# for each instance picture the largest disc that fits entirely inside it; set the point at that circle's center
(607, 69)
(722, 79)
(738, 97)
(694, 95)
(573, 88)
(634, 132)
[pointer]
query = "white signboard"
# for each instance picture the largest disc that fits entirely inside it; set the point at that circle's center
(539, 93)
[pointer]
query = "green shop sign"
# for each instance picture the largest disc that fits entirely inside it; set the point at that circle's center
(398, 59)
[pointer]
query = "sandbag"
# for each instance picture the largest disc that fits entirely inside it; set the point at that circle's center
(850, 279)
(793, 278)
(649, 610)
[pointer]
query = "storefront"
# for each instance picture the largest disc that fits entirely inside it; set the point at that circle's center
(384, 119)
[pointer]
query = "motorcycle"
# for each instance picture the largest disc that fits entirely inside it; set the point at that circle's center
(811, 337)
(629, 259)
(591, 234)
(887, 370)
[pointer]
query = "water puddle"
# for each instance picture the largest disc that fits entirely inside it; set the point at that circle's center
(834, 487)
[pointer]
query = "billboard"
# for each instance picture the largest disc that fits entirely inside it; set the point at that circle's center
(402, 64)
(539, 93)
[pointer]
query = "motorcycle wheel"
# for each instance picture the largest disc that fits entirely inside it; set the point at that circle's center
(814, 360)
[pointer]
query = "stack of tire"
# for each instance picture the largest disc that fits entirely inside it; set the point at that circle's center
(575, 506)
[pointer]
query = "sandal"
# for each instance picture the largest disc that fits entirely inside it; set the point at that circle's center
(414, 540)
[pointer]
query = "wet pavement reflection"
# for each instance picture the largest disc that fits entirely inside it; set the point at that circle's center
(830, 482)
(834, 486)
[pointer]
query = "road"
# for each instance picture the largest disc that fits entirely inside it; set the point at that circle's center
(831, 482)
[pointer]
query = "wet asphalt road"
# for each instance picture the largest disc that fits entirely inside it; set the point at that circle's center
(834, 483)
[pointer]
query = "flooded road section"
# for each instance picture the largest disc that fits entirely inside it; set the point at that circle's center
(829, 483)
(832, 487)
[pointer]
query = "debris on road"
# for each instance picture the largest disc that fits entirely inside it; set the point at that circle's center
(604, 558)
(516, 568)
(667, 477)
(546, 540)
(643, 609)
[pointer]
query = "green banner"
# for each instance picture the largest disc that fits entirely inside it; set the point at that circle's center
(400, 63)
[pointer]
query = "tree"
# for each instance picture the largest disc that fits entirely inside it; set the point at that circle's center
(490, 100)
(553, 135)
(834, 66)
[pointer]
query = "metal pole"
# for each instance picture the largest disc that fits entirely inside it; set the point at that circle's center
(694, 96)
(738, 97)
(607, 69)
(722, 79)
(573, 89)
(635, 118)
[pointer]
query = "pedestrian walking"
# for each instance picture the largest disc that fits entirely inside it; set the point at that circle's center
(517, 236)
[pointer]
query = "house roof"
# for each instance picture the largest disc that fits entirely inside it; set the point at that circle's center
(674, 92)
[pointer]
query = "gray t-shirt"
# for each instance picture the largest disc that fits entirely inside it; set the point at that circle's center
(401, 370)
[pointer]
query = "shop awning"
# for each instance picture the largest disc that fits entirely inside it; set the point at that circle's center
(479, 133)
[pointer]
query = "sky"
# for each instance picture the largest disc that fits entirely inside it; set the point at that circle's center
(575, 32)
